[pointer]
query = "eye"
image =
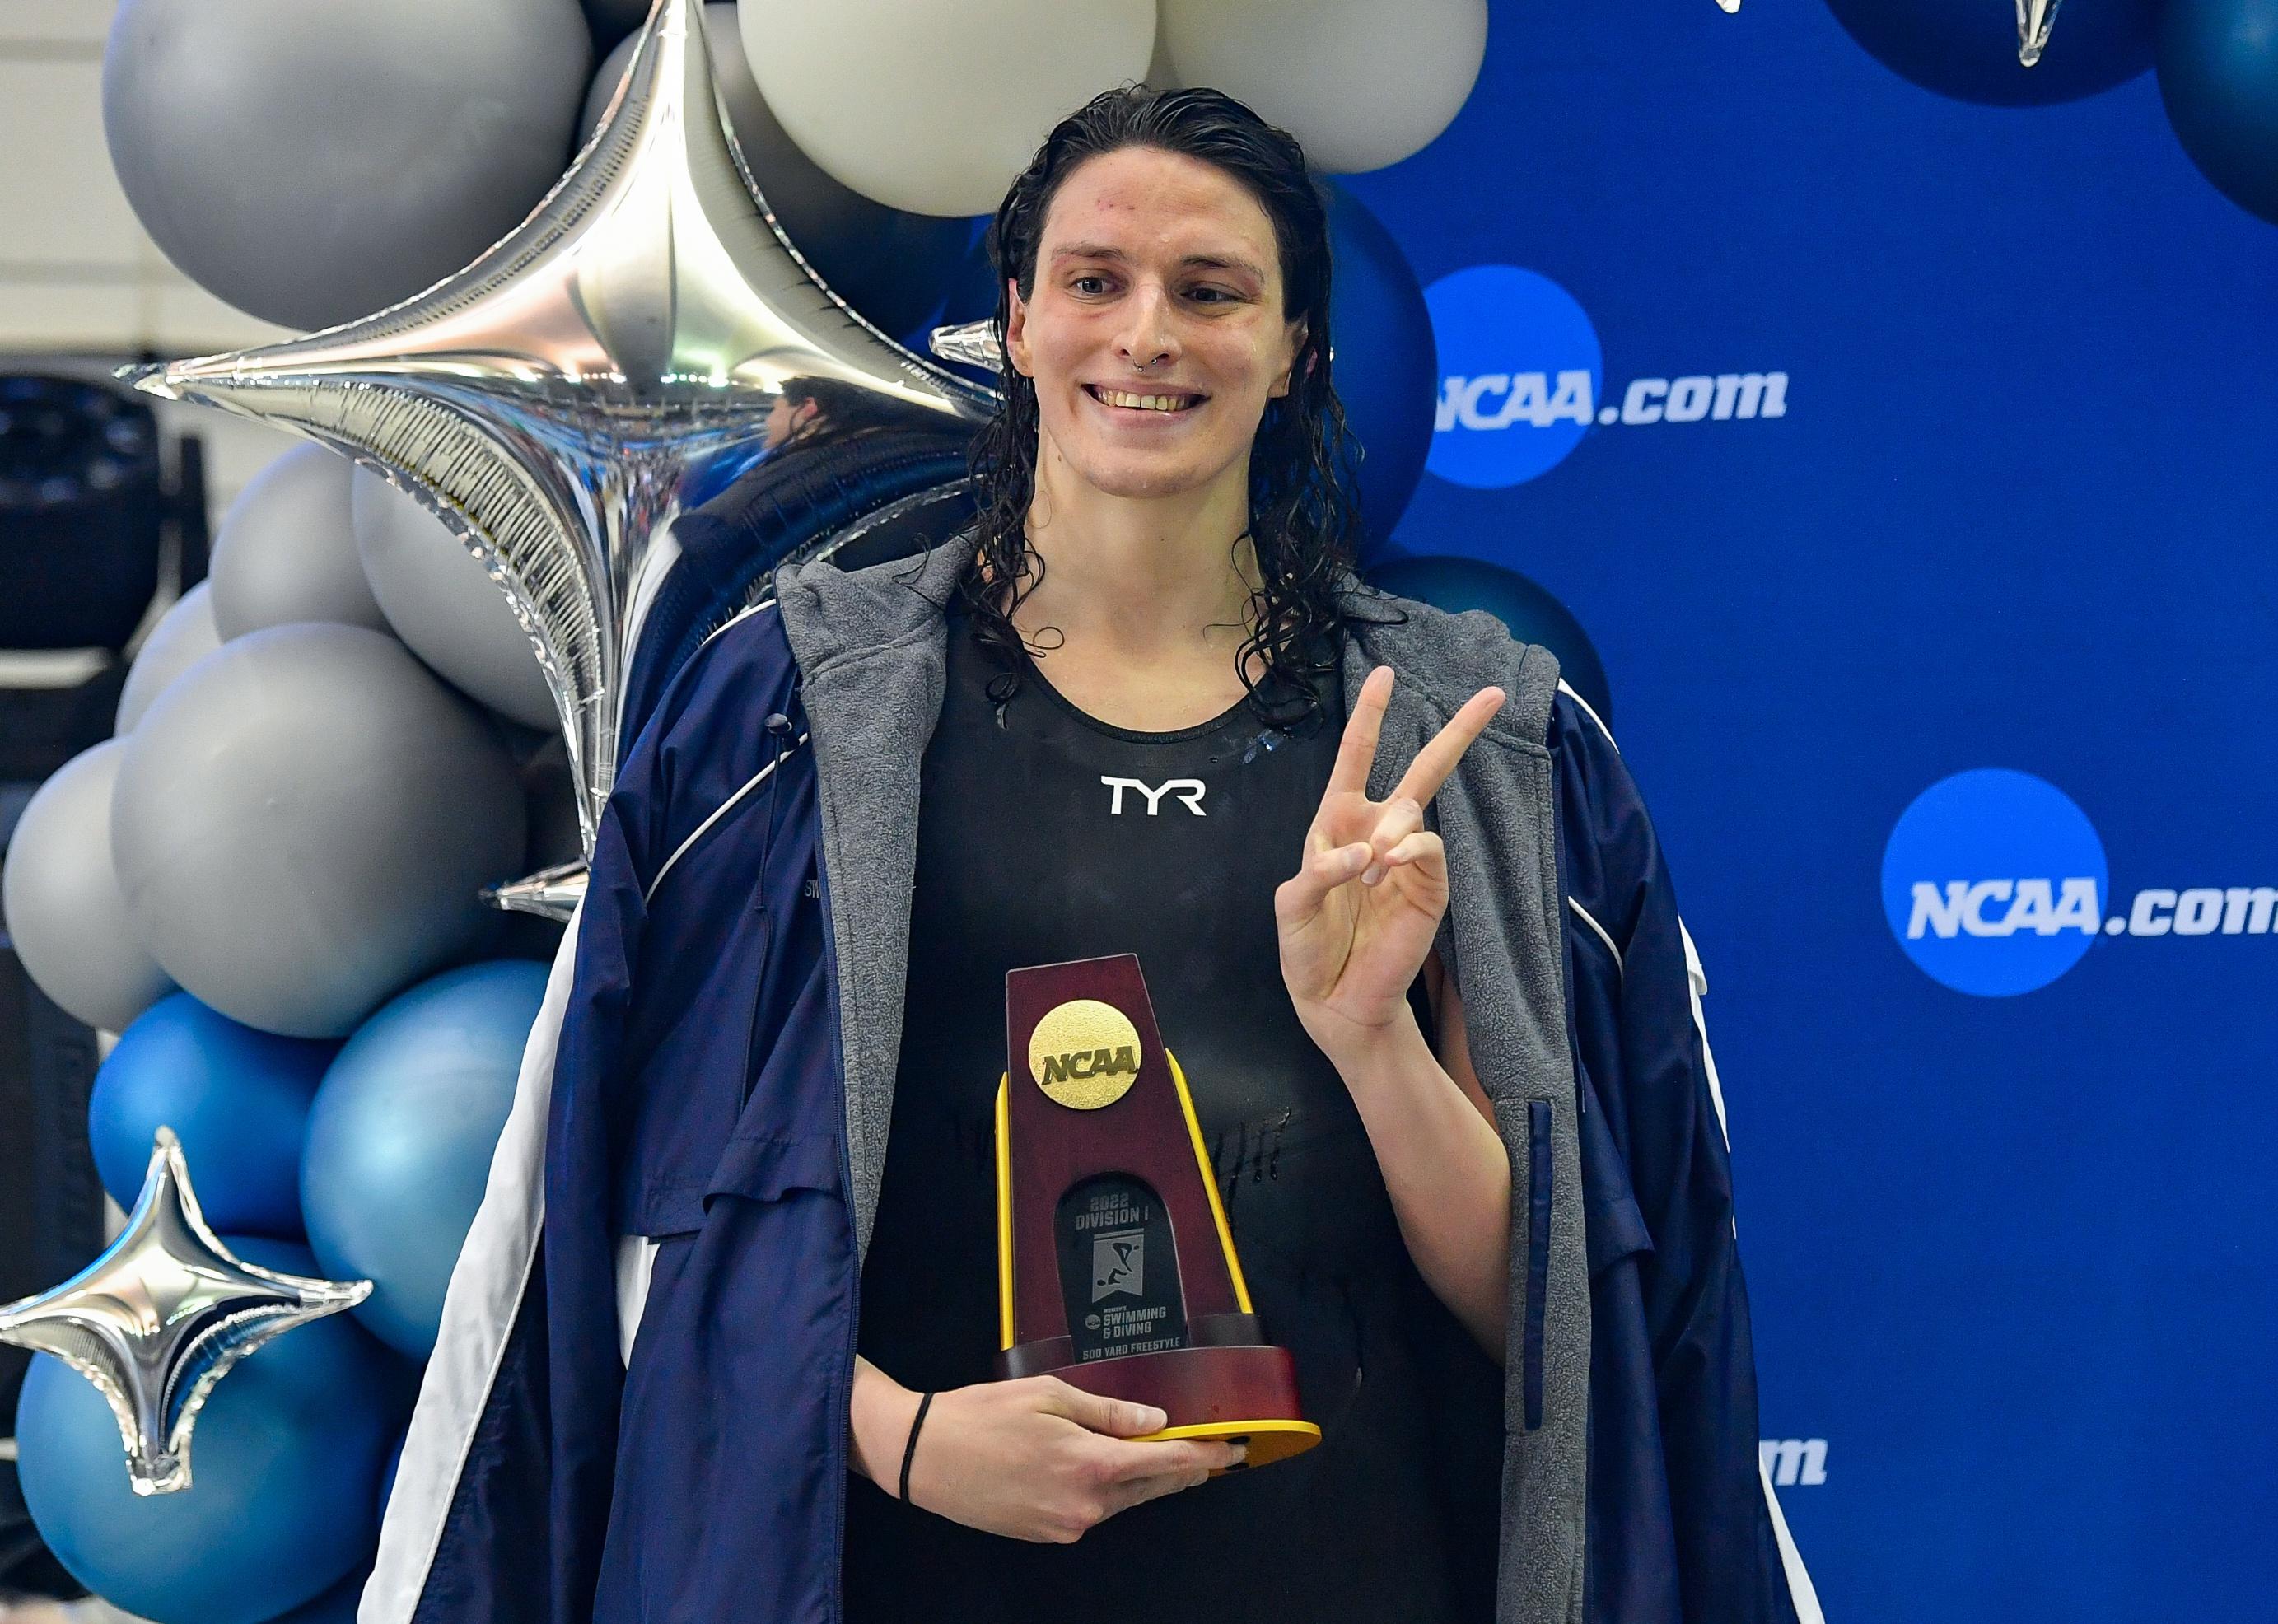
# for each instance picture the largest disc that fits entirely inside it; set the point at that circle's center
(1077, 284)
(1212, 295)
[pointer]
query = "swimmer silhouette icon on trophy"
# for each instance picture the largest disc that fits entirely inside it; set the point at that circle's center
(1116, 1268)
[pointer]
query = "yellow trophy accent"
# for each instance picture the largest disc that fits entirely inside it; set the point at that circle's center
(1004, 1212)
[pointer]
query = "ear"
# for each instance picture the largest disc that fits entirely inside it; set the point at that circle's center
(1016, 329)
(1294, 336)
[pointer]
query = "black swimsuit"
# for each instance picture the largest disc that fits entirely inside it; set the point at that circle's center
(1045, 835)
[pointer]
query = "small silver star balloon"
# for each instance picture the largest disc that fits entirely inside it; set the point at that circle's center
(162, 1316)
(617, 358)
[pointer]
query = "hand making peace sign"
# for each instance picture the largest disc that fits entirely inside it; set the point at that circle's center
(1358, 917)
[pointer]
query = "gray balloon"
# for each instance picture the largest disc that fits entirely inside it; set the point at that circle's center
(301, 823)
(550, 795)
(311, 163)
(62, 903)
(892, 266)
(286, 551)
(184, 634)
(613, 19)
(441, 601)
(549, 792)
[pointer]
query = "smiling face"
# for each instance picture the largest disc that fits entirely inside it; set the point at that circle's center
(1155, 332)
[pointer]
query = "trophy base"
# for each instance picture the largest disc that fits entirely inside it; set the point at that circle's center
(1227, 1391)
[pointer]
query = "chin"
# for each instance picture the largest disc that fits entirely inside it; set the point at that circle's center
(1138, 482)
(1122, 473)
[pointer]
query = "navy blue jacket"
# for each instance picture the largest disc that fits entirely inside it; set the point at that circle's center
(685, 1085)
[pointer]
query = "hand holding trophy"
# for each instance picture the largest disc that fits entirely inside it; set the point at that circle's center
(1348, 952)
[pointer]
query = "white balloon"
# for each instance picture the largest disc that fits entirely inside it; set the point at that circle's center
(442, 602)
(184, 634)
(64, 906)
(285, 551)
(1361, 83)
(934, 108)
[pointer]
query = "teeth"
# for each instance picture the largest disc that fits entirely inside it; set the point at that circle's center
(1146, 402)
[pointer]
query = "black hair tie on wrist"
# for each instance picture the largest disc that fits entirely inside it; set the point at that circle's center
(909, 1452)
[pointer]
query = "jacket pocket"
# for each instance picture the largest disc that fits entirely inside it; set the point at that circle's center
(1615, 1229)
(767, 1168)
(1528, 1123)
(1538, 1254)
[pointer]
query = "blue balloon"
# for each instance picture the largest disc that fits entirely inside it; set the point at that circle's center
(2219, 79)
(1531, 614)
(284, 1468)
(1387, 367)
(387, 1477)
(337, 1605)
(401, 1135)
(972, 297)
(237, 1100)
(1967, 48)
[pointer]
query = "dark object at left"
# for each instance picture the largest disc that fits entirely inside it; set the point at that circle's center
(100, 529)
(50, 1213)
(98, 534)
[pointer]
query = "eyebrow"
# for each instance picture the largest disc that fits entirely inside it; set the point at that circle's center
(1100, 250)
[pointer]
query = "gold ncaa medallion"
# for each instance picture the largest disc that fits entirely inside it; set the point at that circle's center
(1084, 1054)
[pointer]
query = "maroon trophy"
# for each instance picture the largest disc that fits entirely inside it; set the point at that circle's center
(1116, 1270)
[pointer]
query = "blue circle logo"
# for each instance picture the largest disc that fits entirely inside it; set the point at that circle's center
(1995, 883)
(1520, 374)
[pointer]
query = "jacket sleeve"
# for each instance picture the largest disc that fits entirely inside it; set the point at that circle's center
(1684, 1525)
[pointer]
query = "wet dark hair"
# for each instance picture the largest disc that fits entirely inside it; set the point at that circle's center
(1304, 520)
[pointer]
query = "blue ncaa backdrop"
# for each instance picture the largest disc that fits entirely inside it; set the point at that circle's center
(1910, 463)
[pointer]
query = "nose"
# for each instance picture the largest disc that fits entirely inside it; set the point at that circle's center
(1148, 336)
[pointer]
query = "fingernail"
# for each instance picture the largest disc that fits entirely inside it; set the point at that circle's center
(1375, 873)
(1153, 1419)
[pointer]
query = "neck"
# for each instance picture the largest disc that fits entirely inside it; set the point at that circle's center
(1140, 575)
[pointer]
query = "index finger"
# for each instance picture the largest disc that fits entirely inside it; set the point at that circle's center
(1357, 752)
(1438, 758)
(1129, 1460)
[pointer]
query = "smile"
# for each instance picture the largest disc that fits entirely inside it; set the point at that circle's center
(1122, 400)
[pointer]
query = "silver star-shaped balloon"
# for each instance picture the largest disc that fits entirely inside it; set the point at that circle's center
(614, 360)
(162, 1316)
(2035, 19)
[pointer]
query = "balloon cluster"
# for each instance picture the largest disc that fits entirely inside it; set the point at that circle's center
(421, 132)
(924, 106)
(281, 850)
(2217, 62)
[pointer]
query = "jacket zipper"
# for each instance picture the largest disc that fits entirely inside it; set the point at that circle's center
(779, 726)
